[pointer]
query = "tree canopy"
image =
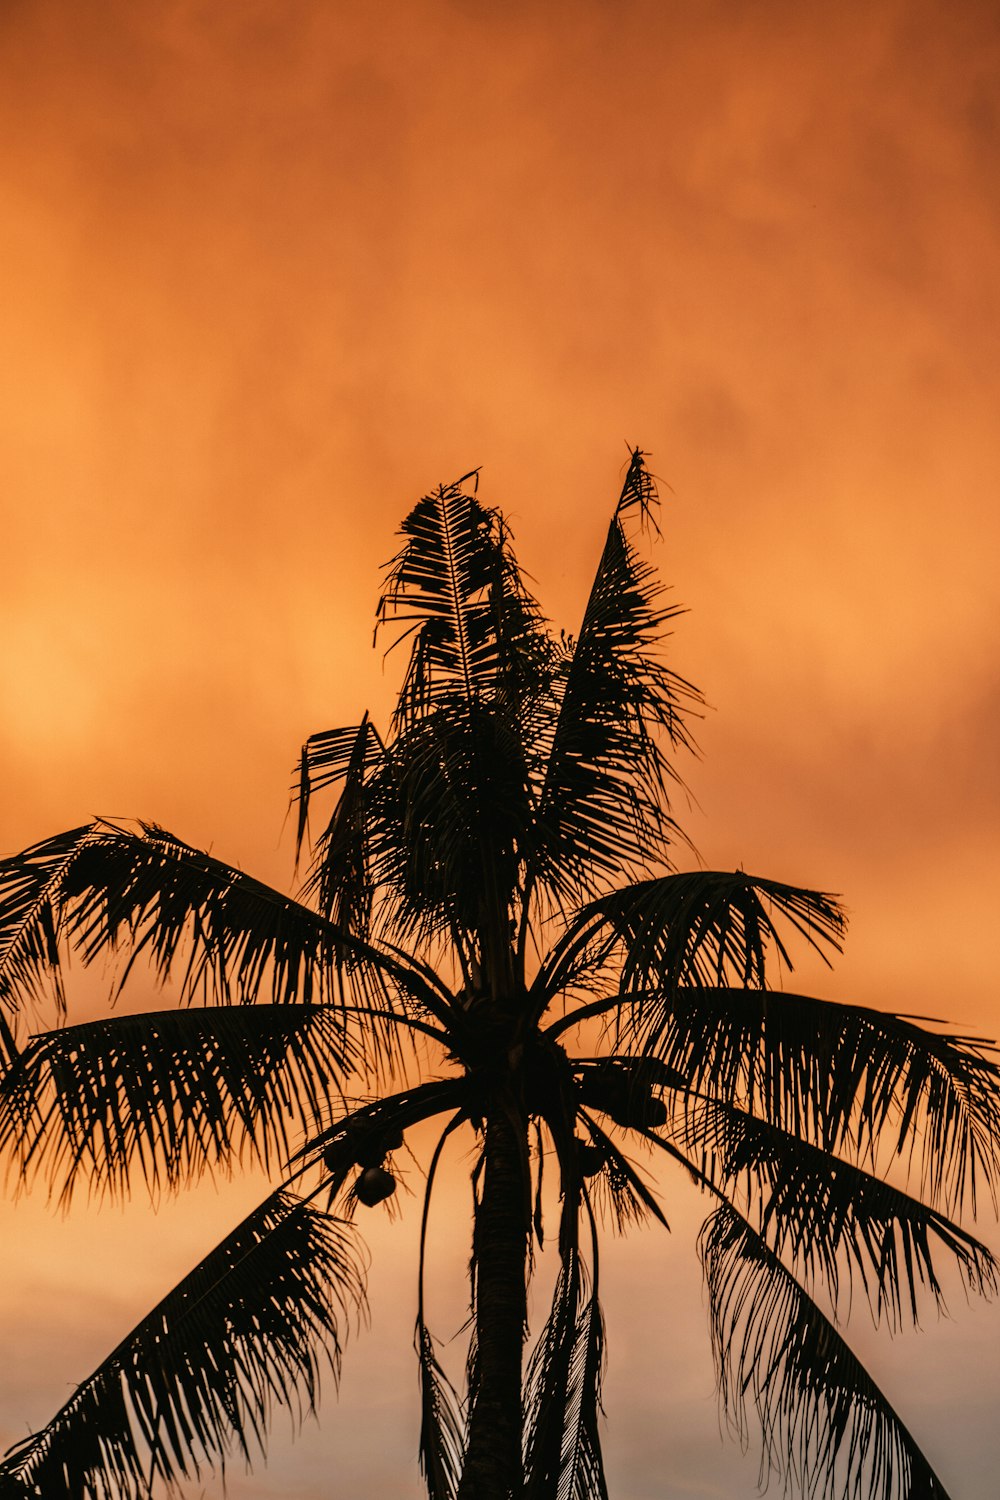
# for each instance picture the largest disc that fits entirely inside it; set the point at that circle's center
(495, 934)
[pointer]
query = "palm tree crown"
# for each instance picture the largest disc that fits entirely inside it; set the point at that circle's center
(493, 935)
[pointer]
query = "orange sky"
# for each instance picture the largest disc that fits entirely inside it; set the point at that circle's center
(270, 271)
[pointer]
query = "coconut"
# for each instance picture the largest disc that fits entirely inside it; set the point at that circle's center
(374, 1184)
(372, 1152)
(589, 1157)
(644, 1111)
(333, 1156)
(627, 1101)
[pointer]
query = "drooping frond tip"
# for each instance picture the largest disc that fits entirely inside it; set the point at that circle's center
(562, 1448)
(826, 1425)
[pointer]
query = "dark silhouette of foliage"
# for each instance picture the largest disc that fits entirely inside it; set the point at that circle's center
(496, 872)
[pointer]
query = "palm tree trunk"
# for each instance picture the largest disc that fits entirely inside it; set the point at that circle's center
(493, 1469)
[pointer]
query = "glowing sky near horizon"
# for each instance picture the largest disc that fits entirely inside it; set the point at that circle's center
(272, 271)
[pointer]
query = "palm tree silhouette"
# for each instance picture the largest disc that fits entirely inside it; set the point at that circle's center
(493, 936)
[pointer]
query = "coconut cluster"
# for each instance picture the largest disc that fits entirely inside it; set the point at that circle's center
(374, 1182)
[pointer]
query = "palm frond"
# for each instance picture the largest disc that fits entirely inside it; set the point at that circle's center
(326, 758)
(582, 1476)
(826, 1424)
(442, 1431)
(448, 815)
(603, 800)
(168, 1094)
(562, 1457)
(250, 1328)
(339, 878)
(639, 491)
(108, 887)
(822, 1212)
(701, 927)
(846, 1077)
(456, 591)
(30, 893)
(618, 1187)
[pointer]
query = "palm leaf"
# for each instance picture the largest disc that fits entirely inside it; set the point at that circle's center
(448, 815)
(30, 886)
(582, 1476)
(170, 1093)
(327, 758)
(618, 1186)
(547, 1384)
(826, 1424)
(442, 1432)
(843, 1076)
(249, 1328)
(456, 591)
(817, 1208)
(705, 927)
(340, 878)
(562, 1459)
(602, 802)
(108, 886)
(695, 949)
(639, 491)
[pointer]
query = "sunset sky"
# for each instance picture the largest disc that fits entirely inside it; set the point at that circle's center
(272, 270)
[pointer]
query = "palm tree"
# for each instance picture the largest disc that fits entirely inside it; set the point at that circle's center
(492, 936)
